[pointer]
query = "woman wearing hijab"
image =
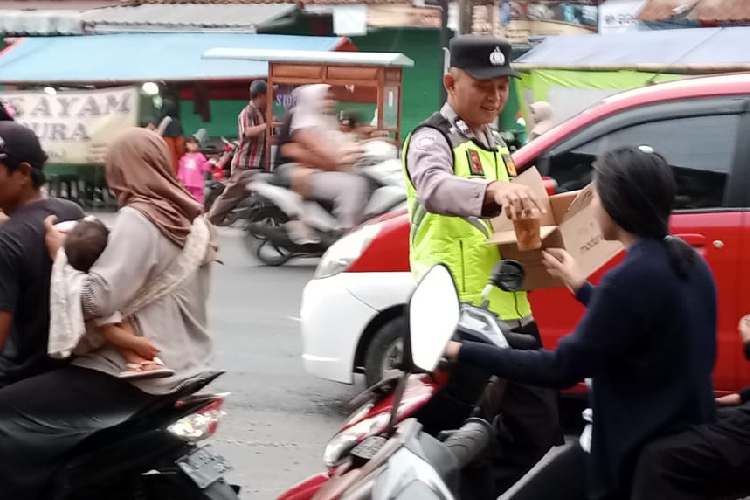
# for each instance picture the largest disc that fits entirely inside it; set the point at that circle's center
(647, 339)
(155, 218)
(322, 147)
(541, 113)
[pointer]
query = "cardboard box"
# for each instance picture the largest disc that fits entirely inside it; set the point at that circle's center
(568, 223)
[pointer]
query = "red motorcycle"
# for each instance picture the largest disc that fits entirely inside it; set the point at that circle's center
(440, 401)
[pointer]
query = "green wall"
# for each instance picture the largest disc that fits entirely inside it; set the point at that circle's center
(421, 86)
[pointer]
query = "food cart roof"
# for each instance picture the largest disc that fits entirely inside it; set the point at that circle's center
(391, 59)
(139, 57)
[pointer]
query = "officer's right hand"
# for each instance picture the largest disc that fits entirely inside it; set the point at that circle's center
(515, 200)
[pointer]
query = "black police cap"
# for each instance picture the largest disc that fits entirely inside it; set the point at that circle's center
(482, 57)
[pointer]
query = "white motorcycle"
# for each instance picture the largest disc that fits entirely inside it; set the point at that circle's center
(270, 232)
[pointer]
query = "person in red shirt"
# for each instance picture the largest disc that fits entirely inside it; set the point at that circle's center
(250, 156)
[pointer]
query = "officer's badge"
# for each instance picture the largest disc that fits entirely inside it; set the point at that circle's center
(475, 163)
(510, 165)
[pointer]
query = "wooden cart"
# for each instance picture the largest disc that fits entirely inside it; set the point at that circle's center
(369, 77)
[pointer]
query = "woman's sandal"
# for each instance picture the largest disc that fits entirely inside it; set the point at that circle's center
(146, 370)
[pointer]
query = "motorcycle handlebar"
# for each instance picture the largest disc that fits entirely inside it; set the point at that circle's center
(468, 442)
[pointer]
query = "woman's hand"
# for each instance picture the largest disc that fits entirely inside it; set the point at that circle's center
(3, 217)
(452, 350)
(560, 264)
(53, 238)
(729, 400)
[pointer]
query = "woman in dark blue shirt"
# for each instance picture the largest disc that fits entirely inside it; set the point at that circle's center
(648, 337)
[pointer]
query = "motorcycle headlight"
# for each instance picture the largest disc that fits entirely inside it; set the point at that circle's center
(351, 436)
(345, 251)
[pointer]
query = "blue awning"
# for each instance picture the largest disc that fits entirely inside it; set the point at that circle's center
(139, 57)
(669, 49)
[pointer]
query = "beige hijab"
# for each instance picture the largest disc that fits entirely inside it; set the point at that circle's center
(542, 119)
(139, 173)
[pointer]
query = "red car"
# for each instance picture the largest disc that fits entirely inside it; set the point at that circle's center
(351, 312)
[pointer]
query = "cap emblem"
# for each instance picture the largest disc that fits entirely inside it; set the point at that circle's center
(497, 58)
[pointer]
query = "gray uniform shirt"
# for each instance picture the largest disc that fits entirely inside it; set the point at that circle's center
(429, 160)
(137, 252)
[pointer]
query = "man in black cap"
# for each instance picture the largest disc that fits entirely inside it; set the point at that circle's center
(25, 265)
(251, 154)
(457, 171)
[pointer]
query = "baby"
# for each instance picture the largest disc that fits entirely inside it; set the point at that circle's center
(84, 243)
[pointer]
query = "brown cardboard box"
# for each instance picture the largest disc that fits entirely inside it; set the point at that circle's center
(568, 223)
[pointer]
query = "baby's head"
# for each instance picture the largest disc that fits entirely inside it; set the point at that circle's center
(85, 243)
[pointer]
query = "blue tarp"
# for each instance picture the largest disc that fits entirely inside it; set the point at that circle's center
(679, 47)
(138, 57)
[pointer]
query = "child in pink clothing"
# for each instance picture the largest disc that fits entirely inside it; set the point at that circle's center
(193, 168)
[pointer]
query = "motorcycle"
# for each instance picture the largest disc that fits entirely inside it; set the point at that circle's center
(267, 233)
(155, 454)
(443, 397)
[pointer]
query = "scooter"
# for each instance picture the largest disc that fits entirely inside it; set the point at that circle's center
(155, 454)
(446, 395)
(267, 232)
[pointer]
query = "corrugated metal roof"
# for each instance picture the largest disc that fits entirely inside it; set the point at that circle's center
(229, 16)
(220, 2)
(663, 49)
(55, 4)
(703, 11)
(49, 22)
(139, 57)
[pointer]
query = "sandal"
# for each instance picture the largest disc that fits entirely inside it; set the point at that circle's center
(146, 370)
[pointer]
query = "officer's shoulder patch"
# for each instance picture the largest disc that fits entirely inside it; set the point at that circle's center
(424, 141)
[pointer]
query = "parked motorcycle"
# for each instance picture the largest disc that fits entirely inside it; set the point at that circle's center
(267, 234)
(441, 400)
(154, 455)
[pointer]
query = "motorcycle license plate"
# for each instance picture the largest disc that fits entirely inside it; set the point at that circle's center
(203, 466)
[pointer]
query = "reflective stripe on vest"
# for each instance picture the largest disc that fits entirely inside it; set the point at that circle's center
(461, 243)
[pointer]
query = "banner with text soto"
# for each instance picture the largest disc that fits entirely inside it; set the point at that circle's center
(76, 126)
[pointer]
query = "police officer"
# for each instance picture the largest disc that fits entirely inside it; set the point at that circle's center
(457, 172)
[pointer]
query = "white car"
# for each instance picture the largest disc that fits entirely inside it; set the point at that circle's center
(352, 309)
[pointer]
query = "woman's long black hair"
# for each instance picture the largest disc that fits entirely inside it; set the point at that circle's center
(637, 189)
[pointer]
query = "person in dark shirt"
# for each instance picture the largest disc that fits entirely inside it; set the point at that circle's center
(706, 461)
(648, 337)
(25, 265)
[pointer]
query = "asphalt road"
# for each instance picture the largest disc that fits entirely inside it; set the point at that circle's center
(278, 417)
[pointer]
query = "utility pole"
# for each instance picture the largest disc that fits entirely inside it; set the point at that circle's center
(444, 40)
(465, 16)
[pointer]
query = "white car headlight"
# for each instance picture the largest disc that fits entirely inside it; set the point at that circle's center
(350, 437)
(343, 252)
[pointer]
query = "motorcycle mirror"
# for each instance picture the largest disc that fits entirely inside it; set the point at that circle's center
(433, 313)
(508, 275)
